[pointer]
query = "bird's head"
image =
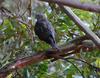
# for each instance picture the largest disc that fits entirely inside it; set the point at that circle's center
(40, 16)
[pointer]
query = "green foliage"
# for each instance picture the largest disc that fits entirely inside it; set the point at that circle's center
(16, 42)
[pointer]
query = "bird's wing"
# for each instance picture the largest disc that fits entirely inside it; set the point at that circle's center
(44, 30)
(50, 28)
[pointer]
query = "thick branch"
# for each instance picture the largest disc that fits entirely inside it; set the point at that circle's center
(20, 63)
(77, 4)
(81, 25)
(71, 48)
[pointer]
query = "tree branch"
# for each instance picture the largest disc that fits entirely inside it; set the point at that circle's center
(77, 4)
(70, 49)
(81, 25)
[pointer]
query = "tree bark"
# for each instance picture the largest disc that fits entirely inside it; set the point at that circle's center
(76, 4)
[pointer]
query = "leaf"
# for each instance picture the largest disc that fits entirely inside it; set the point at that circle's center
(26, 73)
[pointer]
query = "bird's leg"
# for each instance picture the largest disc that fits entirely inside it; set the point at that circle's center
(53, 54)
(56, 49)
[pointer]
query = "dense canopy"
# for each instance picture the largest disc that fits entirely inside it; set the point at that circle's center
(76, 25)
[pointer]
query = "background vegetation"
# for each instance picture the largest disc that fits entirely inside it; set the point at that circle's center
(17, 39)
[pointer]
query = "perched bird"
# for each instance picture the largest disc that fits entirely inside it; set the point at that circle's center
(44, 30)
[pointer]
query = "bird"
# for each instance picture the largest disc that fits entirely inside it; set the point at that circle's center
(45, 31)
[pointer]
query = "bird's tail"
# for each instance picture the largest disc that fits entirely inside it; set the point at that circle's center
(54, 45)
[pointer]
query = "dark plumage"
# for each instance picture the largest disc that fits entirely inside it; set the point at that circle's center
(44, 30)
